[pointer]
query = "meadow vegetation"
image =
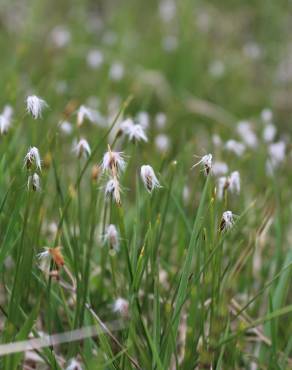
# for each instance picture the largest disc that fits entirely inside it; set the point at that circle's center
(145, 204)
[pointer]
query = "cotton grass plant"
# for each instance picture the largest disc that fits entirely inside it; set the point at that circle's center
(132, 248)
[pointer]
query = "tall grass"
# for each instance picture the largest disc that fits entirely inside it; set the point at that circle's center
(177, 289)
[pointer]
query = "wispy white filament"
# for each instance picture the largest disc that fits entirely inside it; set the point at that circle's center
(35, 106)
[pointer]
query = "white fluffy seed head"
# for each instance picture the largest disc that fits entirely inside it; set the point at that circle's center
(66, 127)
(160, 120)
(32, 158)
(82, 148)
(277, 153)
(149, 178)
(230, 183)
(121, 306)
(84, 113)
(60, 36)
(267, 115)
(143, 119)
(234, 182)
(222, 186)
(126, 125)
(216, 139)
(246, 133)
(116, 72)
(113, 190)
(44, 258)
(137, 133)
(219, 168)
(162, 143)
(74, 365)
(227, 221)
(7, 111)
(33, 182)
(269, 133)
(235, 147)
(111, 237)
(206, 162)
(35, 106)
(4, 124)
(94, 58)
(113, 161)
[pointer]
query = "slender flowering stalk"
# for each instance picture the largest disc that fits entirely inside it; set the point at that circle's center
(82, 148)
(35, 106)
(149, 178)
(227, 221)
(111, 237)
(32, 157)
(206, 162)
(113, 161)
(34, 182)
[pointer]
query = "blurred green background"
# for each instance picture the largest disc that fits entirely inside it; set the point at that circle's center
(236, 54)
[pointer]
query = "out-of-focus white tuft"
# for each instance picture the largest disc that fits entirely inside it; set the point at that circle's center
(162, 143)
(246, 134)
(121, 306)
(94, 58)
(35, 106)
(235, 147)
(219, 168)
(60, 36)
